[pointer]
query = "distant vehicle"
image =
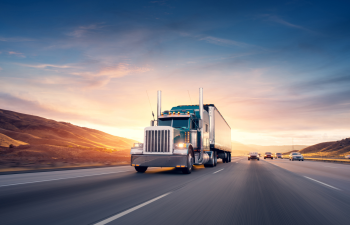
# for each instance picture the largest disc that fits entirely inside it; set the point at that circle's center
(253, 155)
(268, 155)
(296, 156)
(278, 155)
(347, 156)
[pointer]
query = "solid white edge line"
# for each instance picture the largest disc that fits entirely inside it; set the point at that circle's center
(322, 183)
(110, 219)
(31, 182)
(218, 171)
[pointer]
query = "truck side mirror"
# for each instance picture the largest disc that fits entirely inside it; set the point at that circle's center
(200, 124)
(152, 123)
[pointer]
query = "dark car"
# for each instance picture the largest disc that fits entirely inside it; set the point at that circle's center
(278, 155)
(268, 155)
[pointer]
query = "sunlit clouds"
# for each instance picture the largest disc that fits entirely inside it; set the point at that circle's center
(276, 71)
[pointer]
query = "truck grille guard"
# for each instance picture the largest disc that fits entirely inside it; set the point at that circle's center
(158, 141)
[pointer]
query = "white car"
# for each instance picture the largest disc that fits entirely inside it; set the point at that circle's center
(296, 156)
(347, 156)
(253, 155)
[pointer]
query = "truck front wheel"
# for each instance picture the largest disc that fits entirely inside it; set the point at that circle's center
(188, 169)
(141, 169)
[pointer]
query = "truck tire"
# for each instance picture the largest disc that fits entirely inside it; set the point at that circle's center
(210, 163)
(216, 158)
(229, 157)
(141, 169)
(188, 169)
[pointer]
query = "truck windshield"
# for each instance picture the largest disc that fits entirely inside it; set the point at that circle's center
(174, 122)
(180, 122)
(166, 122)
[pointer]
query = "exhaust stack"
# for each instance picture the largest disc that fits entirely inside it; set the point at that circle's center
(159, 104)
(201, 103)
(201, 123)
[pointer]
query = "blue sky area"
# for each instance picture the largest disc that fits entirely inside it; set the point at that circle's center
(277, 70)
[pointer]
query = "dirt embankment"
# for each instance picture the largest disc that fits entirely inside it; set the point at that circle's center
(28, 141)
(31, 157)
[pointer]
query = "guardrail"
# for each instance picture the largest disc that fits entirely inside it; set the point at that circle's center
(345, 161)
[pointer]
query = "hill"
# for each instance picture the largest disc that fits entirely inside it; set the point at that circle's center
(36, 140)
(36, 130)
(331, 149)
(6, 141)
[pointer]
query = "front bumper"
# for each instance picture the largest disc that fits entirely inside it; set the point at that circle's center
(159, 160)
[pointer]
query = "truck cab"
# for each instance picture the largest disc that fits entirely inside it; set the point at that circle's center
(184, 136)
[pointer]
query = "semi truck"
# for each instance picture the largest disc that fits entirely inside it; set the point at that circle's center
(184, 136)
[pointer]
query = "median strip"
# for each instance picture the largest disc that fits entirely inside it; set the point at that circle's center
(110, 219)
(322, 183)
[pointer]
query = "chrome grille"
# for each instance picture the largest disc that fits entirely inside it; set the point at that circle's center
(157, 141)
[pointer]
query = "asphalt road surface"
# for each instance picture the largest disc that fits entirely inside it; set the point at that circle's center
(240, 192)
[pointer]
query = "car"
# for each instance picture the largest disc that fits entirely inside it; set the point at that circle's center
(296, 156)
(268, 155)
(347, 156)
(278, 155)
(253, 155)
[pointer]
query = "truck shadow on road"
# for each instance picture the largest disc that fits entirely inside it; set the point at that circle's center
(173, 170)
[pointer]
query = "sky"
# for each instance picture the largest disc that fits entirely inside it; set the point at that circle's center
(278, 71)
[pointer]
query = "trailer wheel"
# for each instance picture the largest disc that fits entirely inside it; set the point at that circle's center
(229, 157)
(141, 169)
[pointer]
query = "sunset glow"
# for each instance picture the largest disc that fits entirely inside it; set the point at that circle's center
(276, 71)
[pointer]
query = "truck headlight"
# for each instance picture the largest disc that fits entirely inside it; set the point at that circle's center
(138, 145)
(181, 145)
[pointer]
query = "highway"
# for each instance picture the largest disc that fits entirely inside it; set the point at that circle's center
(241, 192)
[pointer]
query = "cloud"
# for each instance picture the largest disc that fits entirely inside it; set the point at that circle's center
(18, 54)
(82, 30)
(120, 70)
(277, 19)
(224, 42)
(92, 79)
(97, 82)
(44, 66)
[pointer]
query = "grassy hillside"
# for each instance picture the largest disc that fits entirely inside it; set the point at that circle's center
(37, 130)
(328, 149)
(6, 141)
(35, 139)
